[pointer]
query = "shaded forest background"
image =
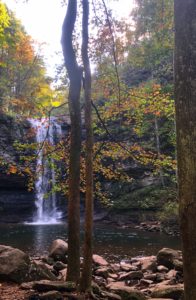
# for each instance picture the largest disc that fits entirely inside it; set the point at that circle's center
(133, 106)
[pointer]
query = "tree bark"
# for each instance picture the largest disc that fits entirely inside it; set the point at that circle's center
(156, 125)
(185, 95)
(75, 75)
(85, 284)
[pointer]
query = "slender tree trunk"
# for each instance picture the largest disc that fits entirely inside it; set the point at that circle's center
(158, 149)
(75, 75)
(185, 95)
(85, 284)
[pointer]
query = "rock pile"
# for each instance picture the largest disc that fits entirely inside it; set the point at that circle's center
(141, 278)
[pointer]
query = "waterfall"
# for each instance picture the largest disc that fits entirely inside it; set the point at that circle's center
(46, 200)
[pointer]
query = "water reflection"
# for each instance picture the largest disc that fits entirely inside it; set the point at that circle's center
(109, 241)
(43, 235)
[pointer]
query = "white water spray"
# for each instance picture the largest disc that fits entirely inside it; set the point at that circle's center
(46, 200)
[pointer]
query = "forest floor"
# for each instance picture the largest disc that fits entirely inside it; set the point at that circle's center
(12, 291)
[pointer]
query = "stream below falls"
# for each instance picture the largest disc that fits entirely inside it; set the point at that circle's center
(109, 241)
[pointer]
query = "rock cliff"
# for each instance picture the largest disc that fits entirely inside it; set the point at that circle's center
(16, 203)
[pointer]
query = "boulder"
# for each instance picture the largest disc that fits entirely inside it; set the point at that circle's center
(166, 257)
(52, 295)
(27, 285)
(34, 296)
(113, 276)
(58, 266)
(47, 285)
(99, 261)
(63, 275)
(174, 292)
(14, 264)
(128, 267)
(160, 277)
(162, 269)
(171, 275)
(111, 296)
(116, 267)
(117, 284)
(133, 275)
(96, 288)
(103, 272)
(150, 276)
(178, 265)
(126, 292)
(39, 271)
(48, 260)
(58, 250)
(145, 282)
(148, 263)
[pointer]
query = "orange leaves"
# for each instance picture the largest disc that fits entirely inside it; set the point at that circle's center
(24, 50)
(12, 169)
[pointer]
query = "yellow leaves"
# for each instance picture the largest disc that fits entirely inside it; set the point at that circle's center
(55, 103)
(27, 171)
(4, 19)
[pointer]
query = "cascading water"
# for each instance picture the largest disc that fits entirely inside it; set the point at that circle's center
(46, 200)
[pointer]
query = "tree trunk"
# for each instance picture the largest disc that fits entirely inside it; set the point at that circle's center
(185, 95)
(85, 284)
(158, 149)
(75, 75)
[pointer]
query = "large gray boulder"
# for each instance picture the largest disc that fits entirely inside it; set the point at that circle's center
(40, 271)
(133, 275)
(126, 292)
(168, 257)
(148, 263)
(59, 250)
(14, 264)
(99, 260)
(174, 292)
(47, 285)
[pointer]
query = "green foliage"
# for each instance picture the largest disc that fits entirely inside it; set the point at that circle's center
(151, 49)
(132, 91)
(25, 89)
(146, 198)
(170, 211)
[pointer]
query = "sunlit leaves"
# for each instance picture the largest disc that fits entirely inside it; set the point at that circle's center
(4, 22)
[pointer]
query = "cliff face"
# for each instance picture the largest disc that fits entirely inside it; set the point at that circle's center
(16, 203)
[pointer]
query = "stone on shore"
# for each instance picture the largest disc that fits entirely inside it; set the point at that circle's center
(133, 275)
(46, 285)
(128, 267)
(58, 266)
(39, 271)
(174, 292)
(126, 292)
(52, 295)
(99, 261)
(14, 264)
(148, 263)
(111, 296)
(168, 257)
(58, 250)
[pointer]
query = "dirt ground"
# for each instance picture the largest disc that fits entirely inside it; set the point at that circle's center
(11, 291)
